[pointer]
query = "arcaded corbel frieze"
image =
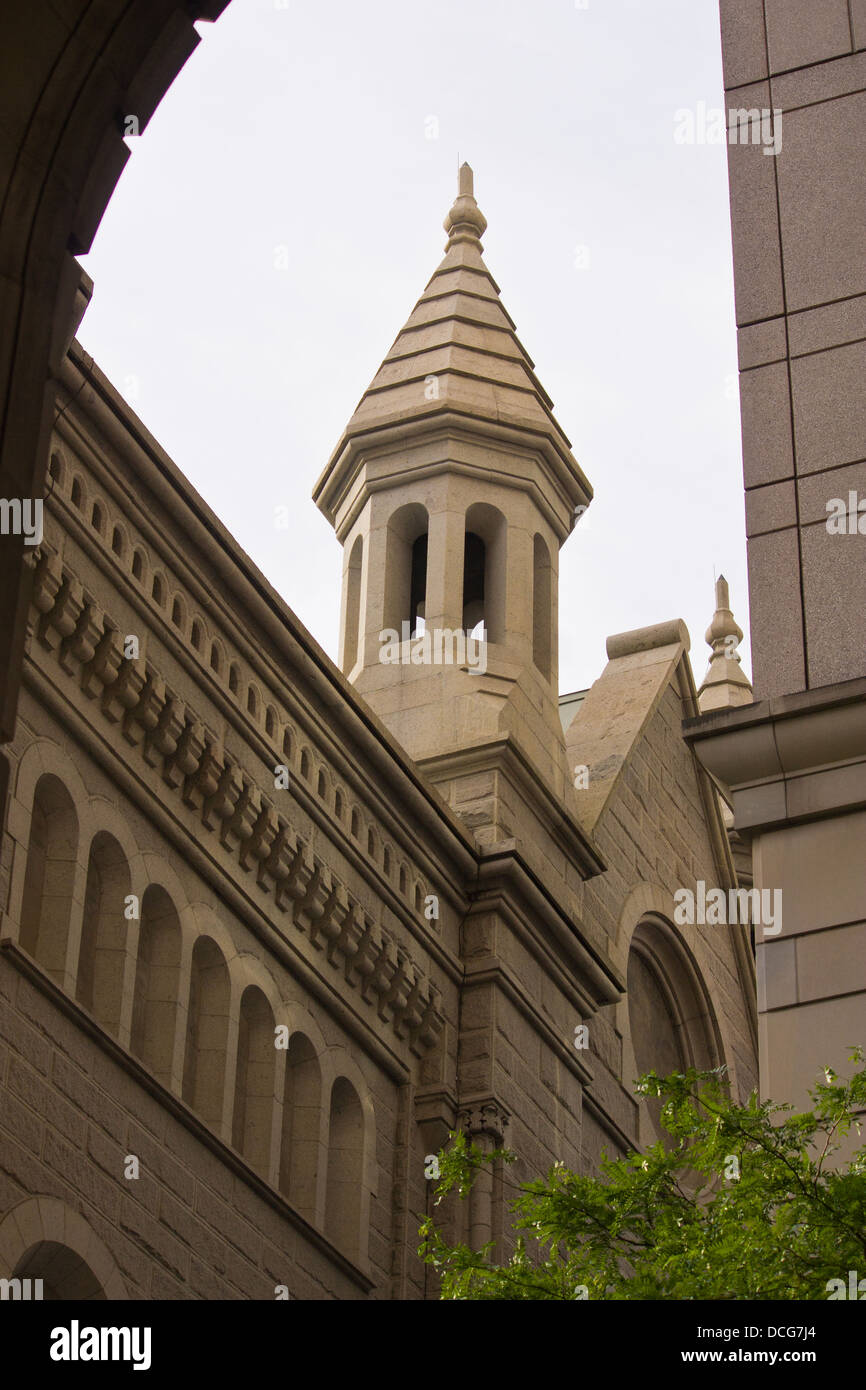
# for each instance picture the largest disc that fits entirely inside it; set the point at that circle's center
(258, 848)
(432, 1023)
(345, 942)
(201, 784)
(385, 967)
(396, 996)
(329, 925)
(143, 718)
(193, 763)
(412, 1012)
(161, 742)
(47, 581)
(220, 804)
(300, 878)
(103, 668)
(183, 762)
(237, 827)
(370, 949)
(310, 903)
(280, 863)
(125, 692)
(58, 625)
(81, 644)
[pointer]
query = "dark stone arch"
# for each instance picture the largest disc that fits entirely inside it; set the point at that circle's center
(157, 983)
(207, 1032)
(255, 1080)
(49, 880)
(86, 67)
(302, 1119)
(64, 1274)
(345, 1168)
(671, 1018)
(102, 949)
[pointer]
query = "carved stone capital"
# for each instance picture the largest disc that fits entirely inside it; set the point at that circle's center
(484, 1117)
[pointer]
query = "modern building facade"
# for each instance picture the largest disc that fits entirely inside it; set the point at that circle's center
(793, 763)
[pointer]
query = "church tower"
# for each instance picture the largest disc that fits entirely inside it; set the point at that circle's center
(451, 491)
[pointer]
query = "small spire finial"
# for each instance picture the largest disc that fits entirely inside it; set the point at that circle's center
(725, 683)
(465, 221)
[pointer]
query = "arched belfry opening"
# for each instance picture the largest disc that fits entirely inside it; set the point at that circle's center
(474, 562)
(352, 616)
(418, 585)
(542, 607)
(406, 568)
(484, 573)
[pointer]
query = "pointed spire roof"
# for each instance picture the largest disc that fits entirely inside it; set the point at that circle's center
(458, 356)
(725, 683)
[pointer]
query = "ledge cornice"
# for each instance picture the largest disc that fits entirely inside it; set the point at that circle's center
(791, 758)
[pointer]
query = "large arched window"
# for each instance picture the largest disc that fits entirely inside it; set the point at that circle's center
(49, 880)
(345, 1168)
(254, 1080)
(102, 953)
(157, 983)
(207, 1032)
(671, 1020)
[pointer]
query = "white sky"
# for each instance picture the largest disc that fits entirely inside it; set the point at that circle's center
(304, 126)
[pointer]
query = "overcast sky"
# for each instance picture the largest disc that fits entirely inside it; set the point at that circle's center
(282, 213)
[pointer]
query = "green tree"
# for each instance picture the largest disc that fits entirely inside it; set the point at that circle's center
(677, 1222)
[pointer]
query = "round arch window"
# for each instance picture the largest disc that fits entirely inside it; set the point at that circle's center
(671, 1018)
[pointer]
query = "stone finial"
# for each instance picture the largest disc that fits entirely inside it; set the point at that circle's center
(725, 683)
(465, 221)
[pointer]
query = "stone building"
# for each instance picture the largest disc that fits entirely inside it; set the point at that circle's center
(271, 928)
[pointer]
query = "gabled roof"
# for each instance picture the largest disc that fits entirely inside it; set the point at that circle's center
(612, 717)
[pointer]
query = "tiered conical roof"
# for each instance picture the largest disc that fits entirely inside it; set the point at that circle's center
(459, 355)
